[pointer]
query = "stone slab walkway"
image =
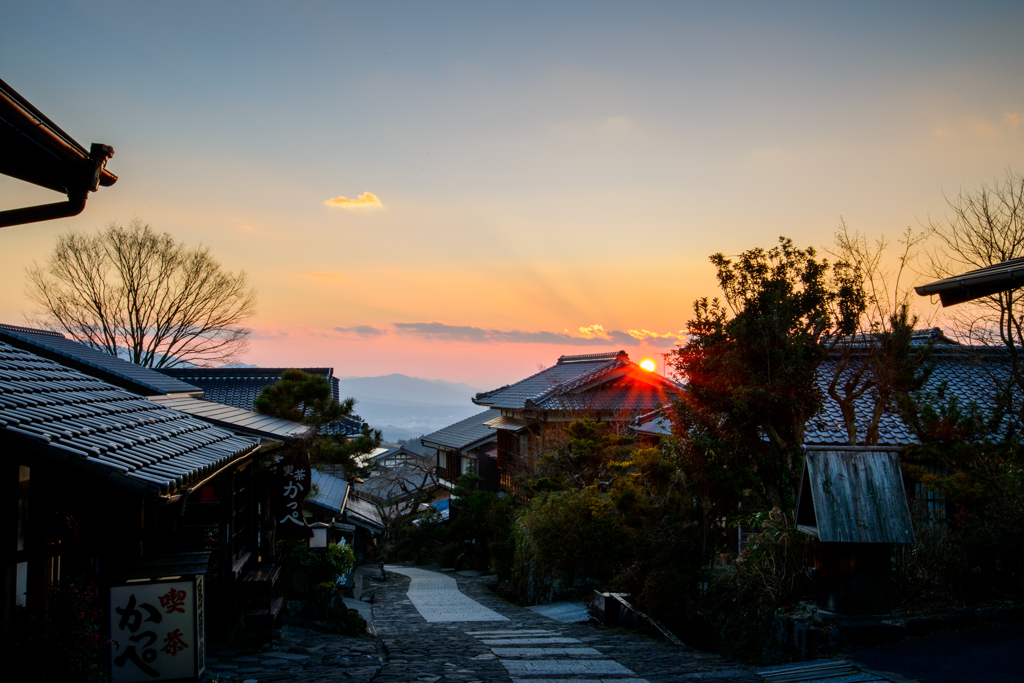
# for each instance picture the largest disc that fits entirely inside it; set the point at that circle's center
(437, 598)
(519, 646)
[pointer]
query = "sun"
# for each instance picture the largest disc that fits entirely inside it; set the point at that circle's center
(647, 364)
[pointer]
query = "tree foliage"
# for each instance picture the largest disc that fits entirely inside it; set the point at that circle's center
(301, 397)
(306, 398)
(750, 366)
(131, 288)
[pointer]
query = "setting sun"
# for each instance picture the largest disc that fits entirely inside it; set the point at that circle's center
(647, 364)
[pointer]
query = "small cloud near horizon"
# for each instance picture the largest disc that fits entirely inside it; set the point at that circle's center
(366, 200)
(362, 330)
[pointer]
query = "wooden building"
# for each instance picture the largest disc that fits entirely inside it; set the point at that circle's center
(97, 475)
(469, 446)
(852, 501)
(530, 416)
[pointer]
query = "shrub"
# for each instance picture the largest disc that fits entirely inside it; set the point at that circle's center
(568, 539)
(55, 638)
(328, 605)
(307, 566)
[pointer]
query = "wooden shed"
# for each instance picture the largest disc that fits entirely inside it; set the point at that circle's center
(852, 501)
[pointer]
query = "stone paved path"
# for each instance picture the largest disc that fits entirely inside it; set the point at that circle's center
(298, 654)
(437, 598)
(427, 641)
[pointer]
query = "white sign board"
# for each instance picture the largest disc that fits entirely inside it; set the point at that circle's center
(153, 631)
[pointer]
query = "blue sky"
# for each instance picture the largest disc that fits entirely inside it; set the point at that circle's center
(541, 168)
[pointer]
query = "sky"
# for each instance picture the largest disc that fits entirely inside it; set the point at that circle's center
(468, 191)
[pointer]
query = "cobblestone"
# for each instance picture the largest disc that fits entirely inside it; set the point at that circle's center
(513, 645)
(528, 648)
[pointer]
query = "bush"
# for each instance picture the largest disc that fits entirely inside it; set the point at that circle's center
(55, 638)
(568, 540)
(308, 566)
(328, 605)
(740, 606)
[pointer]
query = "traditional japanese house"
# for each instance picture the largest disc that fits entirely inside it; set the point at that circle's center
(222, 517)
(469, 446)
(853, 498)
(98, 477)
(239, 387)
(531, 415)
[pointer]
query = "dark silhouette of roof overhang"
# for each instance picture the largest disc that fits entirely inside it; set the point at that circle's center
(36, 151)
(977, 283)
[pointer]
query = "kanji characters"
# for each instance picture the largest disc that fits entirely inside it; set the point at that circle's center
(174, 643)
(173, 601)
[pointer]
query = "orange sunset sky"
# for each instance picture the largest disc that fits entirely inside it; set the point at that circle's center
(465, 191)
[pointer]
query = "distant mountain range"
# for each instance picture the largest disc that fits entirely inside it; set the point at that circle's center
(398, 389)
(404, 407)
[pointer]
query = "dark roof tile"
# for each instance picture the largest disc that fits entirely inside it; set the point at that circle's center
(239, 387)
(618, 385)
(94, 426)
(90, 361)
(465, 433)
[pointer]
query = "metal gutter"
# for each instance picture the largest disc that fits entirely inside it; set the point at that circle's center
(75, 171)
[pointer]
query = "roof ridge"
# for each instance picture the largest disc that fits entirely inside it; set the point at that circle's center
(592, 357)
(567, 385)
(31, 330)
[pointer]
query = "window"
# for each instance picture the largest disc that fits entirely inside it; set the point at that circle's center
(467, 466)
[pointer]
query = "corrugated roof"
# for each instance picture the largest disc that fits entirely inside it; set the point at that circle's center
(89, 425)
(969, 373)
(74, 354)
(330, 492)
(463, 434)
(239, 387)
(597, 381)
(235, 419)
(854, 497)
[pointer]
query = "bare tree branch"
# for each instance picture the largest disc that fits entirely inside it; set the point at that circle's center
(162, 301)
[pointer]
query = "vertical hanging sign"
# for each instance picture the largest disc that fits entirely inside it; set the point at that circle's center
(291, 486)
(156, 630)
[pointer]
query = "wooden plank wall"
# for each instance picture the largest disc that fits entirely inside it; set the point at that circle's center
(859, 497)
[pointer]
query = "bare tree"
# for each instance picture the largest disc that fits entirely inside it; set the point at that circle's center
(872, 367)
(134, 289)
(983, 228)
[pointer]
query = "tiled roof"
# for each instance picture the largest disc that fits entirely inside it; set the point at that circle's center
(90, 426)
(463, 434)
(918, 338)
(237, 420)
(362, 512)
(239, 387)
(330, 492)
(599, 381)
(73, 354)
(653, 423)
(967, 372)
